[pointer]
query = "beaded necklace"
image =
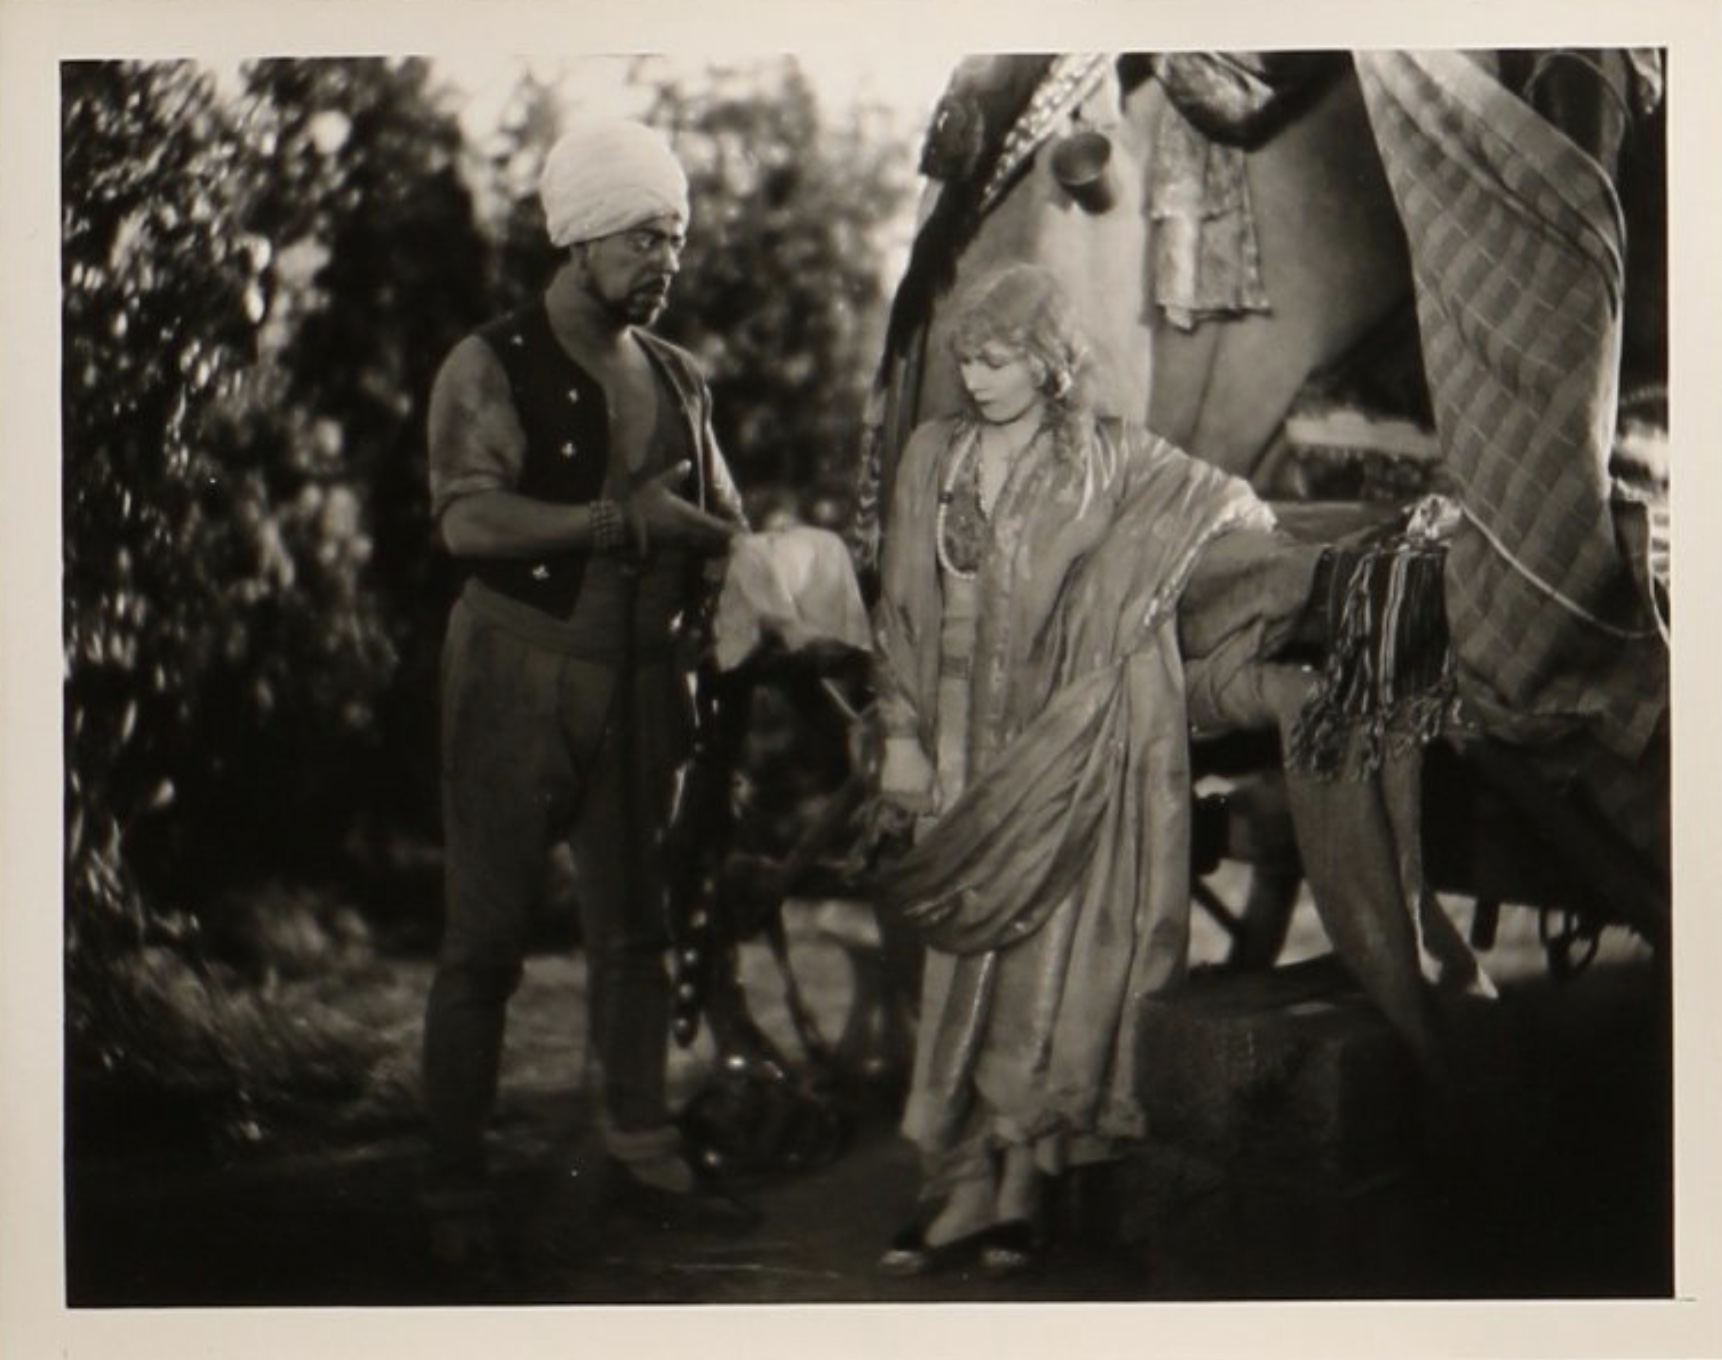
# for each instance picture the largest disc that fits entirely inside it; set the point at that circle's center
(963, 461)
(959, 547)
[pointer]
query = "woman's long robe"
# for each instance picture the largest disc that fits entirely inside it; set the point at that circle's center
(1055, 891)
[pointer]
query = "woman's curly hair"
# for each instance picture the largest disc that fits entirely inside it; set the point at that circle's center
(1024, 307)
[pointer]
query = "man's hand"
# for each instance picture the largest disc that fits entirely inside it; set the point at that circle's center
(655, 512)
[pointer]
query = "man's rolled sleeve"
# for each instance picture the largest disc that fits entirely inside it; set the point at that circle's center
(476, 440)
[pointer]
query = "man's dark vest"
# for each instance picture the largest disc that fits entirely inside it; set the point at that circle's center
(563, 412)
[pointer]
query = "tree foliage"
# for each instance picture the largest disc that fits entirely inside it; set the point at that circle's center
(254, 310)
(169, 539)
(255, 291)
(361, 174)
(781, 289)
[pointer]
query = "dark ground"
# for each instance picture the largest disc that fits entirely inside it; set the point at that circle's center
(1552, 1181)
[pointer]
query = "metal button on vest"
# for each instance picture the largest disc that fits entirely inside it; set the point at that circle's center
(568, 449)
(541, 572)
(573, 394)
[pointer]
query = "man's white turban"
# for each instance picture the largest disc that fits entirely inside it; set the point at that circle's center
(604, 177)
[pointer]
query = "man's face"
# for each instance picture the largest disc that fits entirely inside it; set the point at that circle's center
(630, 272)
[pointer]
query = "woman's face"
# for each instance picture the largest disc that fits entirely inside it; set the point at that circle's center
(1002, 380)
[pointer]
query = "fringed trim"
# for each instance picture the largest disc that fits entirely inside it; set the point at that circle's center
(863, 534)
(1066, 83)
(1390, 678)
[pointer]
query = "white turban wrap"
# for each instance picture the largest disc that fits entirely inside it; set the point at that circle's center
(604, 177)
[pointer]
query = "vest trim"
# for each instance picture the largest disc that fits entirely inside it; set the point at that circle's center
(564, 413)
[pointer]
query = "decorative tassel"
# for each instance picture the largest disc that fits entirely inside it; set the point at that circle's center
(1389, 680)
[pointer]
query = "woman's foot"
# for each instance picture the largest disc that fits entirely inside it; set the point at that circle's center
(1010, 1248)
(1013, 1244)
(1018, 1198)
(952, 1237)
(968, 1211)
(911, 1254)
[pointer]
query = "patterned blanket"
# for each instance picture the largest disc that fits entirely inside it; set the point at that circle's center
(1517, 249)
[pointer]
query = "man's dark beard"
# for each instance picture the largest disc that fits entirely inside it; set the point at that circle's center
(640, 306)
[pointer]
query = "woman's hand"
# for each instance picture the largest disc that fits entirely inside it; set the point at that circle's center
(907, 779)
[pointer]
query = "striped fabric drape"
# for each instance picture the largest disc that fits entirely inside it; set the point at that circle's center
(1517, 251)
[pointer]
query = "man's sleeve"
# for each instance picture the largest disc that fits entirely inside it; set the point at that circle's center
(476, 441)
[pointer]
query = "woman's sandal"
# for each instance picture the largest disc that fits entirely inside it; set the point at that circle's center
(910, 1254)
(1010, 1248)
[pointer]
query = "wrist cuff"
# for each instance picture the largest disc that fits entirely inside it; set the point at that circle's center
(609, 532)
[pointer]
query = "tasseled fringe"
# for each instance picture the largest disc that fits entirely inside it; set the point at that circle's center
(1390, 675)
(863, 531)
